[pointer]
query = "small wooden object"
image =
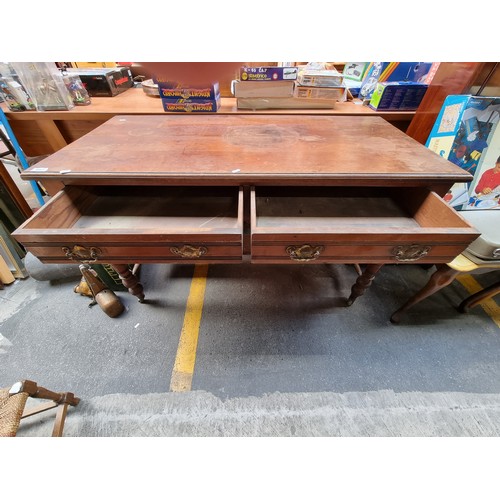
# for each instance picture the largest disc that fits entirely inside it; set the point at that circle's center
(13, 401)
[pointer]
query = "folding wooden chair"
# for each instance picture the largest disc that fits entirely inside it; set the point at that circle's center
(13, 406)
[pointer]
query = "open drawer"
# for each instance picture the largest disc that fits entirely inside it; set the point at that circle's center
(354, 225)
(137, 224)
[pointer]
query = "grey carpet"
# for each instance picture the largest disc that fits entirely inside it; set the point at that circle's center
(201, 414)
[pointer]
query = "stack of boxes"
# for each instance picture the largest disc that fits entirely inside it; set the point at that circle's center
(320, 84)
(178, 97)
(267, 87)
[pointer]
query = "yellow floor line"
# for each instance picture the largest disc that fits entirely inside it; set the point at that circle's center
(490, 306)
(182, 373)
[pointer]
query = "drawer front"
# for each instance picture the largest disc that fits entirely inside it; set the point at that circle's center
(376, 226)
(185, 252)
(137, 225)
(319, 251)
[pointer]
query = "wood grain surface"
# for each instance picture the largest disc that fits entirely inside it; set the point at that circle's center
(236, 149)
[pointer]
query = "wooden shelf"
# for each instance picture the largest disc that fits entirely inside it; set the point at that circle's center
(48, 131)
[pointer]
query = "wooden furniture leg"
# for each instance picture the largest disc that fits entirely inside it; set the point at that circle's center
(442, 277)
(52, 134)
(478, 297)
(130, 281)
(363, 282)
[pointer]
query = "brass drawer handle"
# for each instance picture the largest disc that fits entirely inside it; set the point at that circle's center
(304, 253)
(82, 254)
(410, 253)
(189, 252)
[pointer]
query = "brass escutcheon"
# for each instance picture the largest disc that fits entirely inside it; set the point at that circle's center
(410, 253)
(304, 253)
(81, 253)
(189, 252)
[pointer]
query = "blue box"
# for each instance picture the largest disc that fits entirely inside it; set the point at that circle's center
(191, 105)
(175, 90)
(402, 96)
(268, 73)
(393, 72)
(466, 132)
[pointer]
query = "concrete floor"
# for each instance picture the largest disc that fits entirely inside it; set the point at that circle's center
(274, 342)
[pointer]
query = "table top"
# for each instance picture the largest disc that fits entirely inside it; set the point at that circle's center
(240, 149)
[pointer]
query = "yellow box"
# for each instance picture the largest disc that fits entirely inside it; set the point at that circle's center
(93, 64)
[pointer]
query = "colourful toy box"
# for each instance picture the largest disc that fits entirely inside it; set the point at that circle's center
(104, 82)
(186, 98)
(176, 90)
(355, 71)
(268, 73)
(402, 96)
(393, 72)
(466, 132)
(191, 105)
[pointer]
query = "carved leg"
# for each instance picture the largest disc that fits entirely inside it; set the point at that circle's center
(363, 282)
(442, 277)
(129, 280)
(478, 297)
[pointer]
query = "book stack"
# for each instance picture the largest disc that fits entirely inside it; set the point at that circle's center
(273, 87)
(177, 97)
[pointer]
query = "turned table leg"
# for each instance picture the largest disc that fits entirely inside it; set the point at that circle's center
(442, 277)
(363, 282)
(129, 280)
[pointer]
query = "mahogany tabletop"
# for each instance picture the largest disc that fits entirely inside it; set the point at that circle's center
(240, 149)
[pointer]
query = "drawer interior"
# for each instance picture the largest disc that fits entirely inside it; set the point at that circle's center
(351, 209)
(148, 208)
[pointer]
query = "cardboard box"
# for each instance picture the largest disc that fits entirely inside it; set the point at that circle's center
(93, 65)
(402, 96)
(335, 93)
(276, 88)
(175, 90)
(320, 77)
(104, 82)
(393, 72)
(466, 132)
(191, 105)
(268, 73)
(284, 103)
(355, 71)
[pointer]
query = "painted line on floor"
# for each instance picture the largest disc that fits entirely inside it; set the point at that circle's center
(491, 308)
(182, 373)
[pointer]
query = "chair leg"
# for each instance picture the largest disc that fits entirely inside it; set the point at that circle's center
(62, 410)
(478, 297)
